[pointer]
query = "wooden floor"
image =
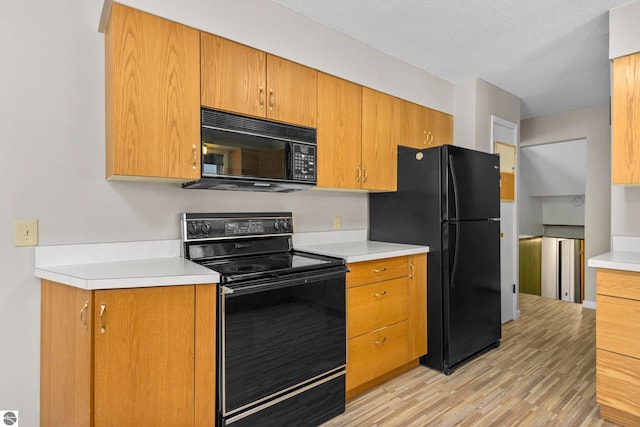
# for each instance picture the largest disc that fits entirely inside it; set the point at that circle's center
(542, 374)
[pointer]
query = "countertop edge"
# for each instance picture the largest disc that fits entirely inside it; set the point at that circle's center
(616, 260)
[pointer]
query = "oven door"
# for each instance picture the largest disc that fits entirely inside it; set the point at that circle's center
(280, 334)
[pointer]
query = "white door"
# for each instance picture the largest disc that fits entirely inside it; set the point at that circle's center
(507, 133)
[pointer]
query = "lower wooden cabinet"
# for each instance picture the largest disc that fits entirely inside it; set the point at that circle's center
(386, 319)
(143, 356)
(618, 346)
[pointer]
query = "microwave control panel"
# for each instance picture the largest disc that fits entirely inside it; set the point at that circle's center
(304, 162)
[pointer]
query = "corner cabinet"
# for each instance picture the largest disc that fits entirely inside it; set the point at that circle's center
(625, 116)
(240, 79)
(618, 345)
(143, 356)
(421, 127)
(152, 97)
(386, 319)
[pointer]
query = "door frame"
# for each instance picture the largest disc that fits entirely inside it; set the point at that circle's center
(515, 128)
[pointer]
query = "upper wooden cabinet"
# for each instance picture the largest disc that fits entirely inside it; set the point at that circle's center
(379, 141)
(339, 133)
(625, 168)
(152, 97)
(421, 127)
(244, 80)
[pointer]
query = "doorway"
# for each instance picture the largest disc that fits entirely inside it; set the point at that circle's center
(505, 135)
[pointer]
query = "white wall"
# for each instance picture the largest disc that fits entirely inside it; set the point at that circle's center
(475, 102)
(556, 169)
(563, 210)
(52, 151)
(593, 125)
(624, 40)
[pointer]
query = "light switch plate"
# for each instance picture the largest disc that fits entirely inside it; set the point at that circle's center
(26, 232)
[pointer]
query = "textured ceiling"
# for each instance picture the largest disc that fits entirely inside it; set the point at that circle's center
(553, 54)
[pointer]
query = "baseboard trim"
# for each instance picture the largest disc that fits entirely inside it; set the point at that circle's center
(589, 304)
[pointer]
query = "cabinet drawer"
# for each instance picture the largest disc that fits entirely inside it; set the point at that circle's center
(618, 381)
(617, 325)
(377, 270)
(377, 353)
(376, 305)
(616, 283)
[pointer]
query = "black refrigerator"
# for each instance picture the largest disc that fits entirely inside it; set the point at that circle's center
(448, 198)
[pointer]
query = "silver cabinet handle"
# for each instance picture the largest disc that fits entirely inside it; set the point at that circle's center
(366, 174)
(412, 269)
(194, 164)
(378, 343)
(272, 99)
(359, 174)
(103, 330)
(83, 317)
(380, 294)
(380, 270)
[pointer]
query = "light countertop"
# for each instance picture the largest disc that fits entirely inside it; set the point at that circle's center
(352, 246)
(120, 265)
(625, 255)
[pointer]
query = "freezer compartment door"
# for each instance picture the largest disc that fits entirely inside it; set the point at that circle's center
(471, 288)
(471, 184)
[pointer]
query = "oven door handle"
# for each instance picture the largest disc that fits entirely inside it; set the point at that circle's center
(263, 285)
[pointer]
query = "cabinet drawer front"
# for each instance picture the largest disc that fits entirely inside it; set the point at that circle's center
(617, 325)
(377, 353)
(618, 381)
(377, 270)
(376, 305)
(616, 283)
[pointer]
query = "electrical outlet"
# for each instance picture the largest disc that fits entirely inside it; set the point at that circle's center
(337, 222)
(26, 232)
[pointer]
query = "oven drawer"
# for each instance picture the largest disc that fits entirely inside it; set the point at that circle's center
(377, 270)
(376, 353)
(376, 305)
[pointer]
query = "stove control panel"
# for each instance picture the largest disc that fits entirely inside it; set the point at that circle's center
(229, 226)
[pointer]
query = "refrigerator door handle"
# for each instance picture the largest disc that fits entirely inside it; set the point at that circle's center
(454, 180)
(454, 253)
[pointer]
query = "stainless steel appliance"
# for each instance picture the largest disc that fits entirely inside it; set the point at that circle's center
(281, 320)
(245, 153)
(449, 199)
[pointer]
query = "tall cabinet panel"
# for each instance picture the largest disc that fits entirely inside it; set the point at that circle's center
(152, 97)
(379, 141)
(339, 133)
(625, 168)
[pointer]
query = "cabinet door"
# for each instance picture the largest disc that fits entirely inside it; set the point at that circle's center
(417, 306)
(625, 113)
(411, 125)
(438, 129)
(144, 360)
(152, 97)
(65, 358)
(339, 132)
(233, 76)
(379, 141)
(292, 94)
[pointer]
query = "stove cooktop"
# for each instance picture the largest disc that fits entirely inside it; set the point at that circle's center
(243, 268)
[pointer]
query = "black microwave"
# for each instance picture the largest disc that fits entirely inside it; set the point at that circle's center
(245, 153)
